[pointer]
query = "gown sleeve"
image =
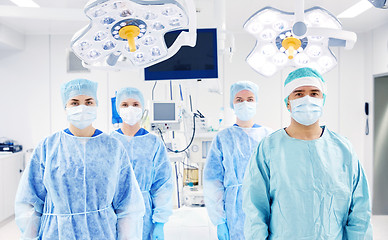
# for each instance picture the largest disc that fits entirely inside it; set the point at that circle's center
(128, 203)
(30, 196)
(162, 186)
(358, 225)
(256, 196)
(213, 184)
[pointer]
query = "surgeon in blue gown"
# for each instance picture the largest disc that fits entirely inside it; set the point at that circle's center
(79, 183)
(305, 181)
(150, 162)
(227, 160)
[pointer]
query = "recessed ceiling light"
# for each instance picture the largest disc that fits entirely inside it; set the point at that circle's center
(356, 9)
(25, 3)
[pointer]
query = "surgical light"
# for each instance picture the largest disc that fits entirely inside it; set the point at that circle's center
(125, 34)
(300, 39)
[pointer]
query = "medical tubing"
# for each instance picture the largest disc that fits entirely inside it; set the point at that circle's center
(191, 103)
(153, 88)
(200, 115)
(177, 185)
(188, 165)
(171, 90)
(180, 91)
(191, 140)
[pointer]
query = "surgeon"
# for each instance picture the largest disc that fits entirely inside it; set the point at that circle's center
(79, 183)
(150, 162)
(227, 160)
(305, 181)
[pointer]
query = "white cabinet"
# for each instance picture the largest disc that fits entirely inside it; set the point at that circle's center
(10, 166)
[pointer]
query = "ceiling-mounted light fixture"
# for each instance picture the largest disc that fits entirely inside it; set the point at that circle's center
(297, 39)
(130, 33)
(356, 9)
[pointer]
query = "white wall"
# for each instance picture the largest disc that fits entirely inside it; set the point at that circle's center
(24, 92)
(376, 62)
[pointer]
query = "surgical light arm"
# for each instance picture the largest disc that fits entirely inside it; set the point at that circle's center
(347, 38)
(379, 3)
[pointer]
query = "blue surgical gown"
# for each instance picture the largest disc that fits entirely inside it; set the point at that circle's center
(306, 189)
(224, 171)
(154, 174)
(79, 188)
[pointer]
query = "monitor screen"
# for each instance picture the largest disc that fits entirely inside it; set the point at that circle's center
(196, 62)
(164, 112)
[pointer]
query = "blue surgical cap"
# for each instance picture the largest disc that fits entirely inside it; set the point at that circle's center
(303, 77)
(78, 87)
(243, 85)
(129, 92)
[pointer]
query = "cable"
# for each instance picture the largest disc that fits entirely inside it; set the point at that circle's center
(177, 185)
(171, 90)
(191, 140)
(191, 103)
(180, 91)
(187, 155)
(153, 90)
(188, 165)
(200, 115)
(187, 158)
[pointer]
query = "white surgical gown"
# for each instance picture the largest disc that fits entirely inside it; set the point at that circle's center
(224, 172)
(300, 189)
(79, 188)
(154, 175)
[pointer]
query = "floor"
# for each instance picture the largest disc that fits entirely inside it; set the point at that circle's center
(189, 223)
(380, 227)
(195, 225)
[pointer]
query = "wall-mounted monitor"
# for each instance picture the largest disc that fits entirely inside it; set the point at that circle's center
(199, 62)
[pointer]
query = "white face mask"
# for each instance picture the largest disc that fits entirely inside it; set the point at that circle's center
(306, 110)
(245, 111)
(81, 116)
(131, 115)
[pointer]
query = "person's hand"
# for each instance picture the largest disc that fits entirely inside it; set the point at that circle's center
(222, 232)
(158, 233)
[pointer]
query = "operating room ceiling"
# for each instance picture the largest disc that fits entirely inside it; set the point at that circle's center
(66, 16)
